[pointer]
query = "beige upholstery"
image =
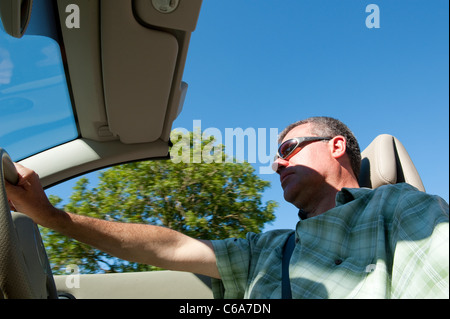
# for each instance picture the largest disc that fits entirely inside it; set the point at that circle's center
(386, 161)
(163, 284)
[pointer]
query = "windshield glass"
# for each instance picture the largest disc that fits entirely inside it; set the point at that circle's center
(35, 106)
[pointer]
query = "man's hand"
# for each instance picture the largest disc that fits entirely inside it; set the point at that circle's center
(28, 196)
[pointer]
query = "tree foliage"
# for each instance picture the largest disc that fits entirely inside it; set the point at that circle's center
(208, 201)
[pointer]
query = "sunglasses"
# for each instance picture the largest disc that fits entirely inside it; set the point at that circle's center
(288, 147)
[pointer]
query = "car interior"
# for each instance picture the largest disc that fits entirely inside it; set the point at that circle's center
(26, 273)
(124, 112)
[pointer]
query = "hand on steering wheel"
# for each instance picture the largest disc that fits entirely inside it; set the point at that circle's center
(19, 278)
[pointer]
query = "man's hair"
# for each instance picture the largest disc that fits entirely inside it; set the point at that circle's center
(327, 126)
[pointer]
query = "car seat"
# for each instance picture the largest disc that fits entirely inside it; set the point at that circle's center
(386, 161)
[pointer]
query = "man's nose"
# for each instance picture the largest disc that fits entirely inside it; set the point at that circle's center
(279, 164)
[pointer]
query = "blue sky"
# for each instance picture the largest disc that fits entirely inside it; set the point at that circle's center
(265, 64)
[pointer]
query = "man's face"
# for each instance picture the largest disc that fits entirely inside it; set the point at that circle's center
(303, 174)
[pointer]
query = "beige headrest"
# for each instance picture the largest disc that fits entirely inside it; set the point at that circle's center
(386, 161)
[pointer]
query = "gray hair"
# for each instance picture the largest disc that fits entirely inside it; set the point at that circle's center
(327, 126)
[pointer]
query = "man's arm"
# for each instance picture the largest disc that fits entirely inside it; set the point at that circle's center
(147, 244)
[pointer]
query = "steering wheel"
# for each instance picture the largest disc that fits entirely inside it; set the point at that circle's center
(24, 266)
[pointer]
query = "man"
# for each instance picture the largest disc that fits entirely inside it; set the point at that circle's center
(391, 242)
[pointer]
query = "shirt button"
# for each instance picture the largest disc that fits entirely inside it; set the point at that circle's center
(337, 262)
(297, 240)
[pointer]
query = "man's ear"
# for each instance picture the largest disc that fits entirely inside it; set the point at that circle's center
(339, 146)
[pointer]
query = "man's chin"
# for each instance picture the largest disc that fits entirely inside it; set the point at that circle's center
(289, 197)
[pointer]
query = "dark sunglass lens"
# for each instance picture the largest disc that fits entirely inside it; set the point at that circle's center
(287, 147)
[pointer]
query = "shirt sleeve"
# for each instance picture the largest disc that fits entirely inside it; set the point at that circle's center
(420, 244)
(233, 260)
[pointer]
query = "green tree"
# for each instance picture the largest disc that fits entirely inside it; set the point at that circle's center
(208, 201)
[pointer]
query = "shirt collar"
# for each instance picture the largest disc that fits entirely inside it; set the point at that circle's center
(347, 195)
(344, 196)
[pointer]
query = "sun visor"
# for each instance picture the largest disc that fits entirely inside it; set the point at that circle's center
(125, 62)
(138, 70)
(15, 16)
(172, 14)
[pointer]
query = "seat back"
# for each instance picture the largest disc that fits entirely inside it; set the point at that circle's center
(386, 161)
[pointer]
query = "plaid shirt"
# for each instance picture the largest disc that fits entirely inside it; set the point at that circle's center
(391, 242)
